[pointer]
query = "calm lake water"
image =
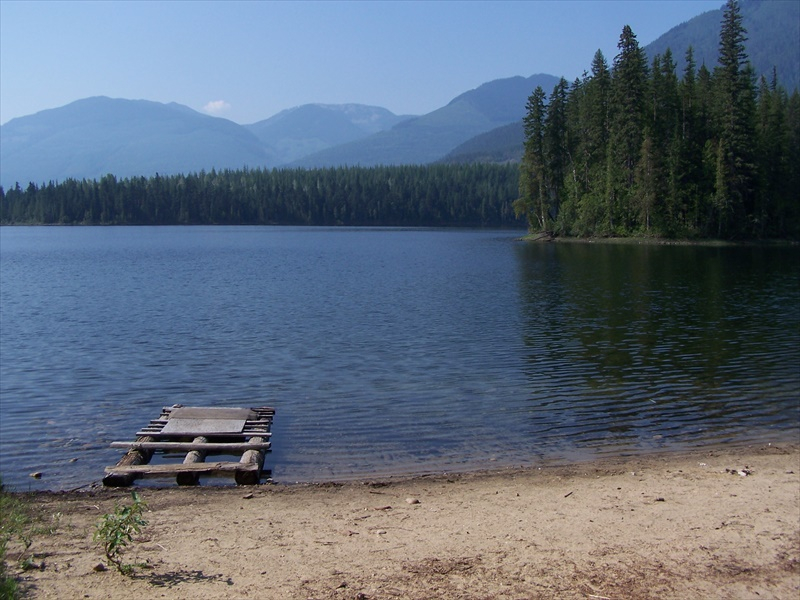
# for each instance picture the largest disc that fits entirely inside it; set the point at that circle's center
(388, 351)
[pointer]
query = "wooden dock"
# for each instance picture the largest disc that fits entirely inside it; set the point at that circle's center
(199, 432)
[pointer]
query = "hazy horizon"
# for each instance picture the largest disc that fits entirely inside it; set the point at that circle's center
(247, 61)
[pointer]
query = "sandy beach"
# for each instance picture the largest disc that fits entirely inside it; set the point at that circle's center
(707, 524)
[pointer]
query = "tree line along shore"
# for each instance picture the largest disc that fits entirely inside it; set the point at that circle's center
(420, 195)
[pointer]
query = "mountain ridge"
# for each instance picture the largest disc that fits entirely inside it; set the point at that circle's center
(94, 136)
(302, 130)
(429, 137)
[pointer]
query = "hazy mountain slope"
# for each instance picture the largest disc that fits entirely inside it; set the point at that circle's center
(303, 130)
(773, 32)
(92, 137)
(429, 137)
(503, 144)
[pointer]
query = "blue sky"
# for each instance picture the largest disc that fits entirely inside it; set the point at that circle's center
(246, 61)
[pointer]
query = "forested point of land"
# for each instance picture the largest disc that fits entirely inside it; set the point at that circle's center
(476, 195)
(633, 150)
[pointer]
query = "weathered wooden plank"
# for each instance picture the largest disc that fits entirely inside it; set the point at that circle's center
(212, 412)
(234, 447)
(203, 426)
(165, 469)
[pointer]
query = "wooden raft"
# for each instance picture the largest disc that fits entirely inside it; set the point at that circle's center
(199, 432)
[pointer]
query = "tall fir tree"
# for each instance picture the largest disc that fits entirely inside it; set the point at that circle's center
(667, 138)
(532, 201)
(556, 152)
(688, 163)
(788, 207)
(735, 93)
(593, 206)
(627, 108)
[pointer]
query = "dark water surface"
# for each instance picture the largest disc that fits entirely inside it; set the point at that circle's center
(389, 351)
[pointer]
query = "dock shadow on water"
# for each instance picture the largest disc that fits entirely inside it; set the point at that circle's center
(389, 351)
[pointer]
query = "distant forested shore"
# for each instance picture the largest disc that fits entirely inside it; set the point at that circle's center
(632, 150)
(475, 195)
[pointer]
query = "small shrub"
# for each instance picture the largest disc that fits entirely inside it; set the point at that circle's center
(13, 524)
(19, 524)
(116, 530)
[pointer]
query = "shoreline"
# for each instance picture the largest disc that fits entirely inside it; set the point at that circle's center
(549, 467)
(716, 522)
(659, 241)
(761, 443)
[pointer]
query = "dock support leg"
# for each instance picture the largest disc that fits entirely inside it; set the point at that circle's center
(194, 456)
(251, 457)
(131, 457)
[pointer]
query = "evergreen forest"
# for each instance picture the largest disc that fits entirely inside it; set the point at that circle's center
(477, 195)
(634, 149)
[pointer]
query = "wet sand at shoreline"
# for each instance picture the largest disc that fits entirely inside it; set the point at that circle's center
(706, 524)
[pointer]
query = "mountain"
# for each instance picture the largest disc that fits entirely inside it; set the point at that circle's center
(303, 130)
(773, 39)
(500, 145)
(95, 136)
(428, 138)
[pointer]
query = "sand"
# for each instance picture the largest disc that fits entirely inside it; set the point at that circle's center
(709, 524)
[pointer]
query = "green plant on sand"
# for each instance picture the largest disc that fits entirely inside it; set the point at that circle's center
(14, 523)
(116, 530)
(20, 522)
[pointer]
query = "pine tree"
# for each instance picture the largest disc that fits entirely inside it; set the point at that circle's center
(774, 160)
(594, 206)
(628, 92)
(736, 107)
(648, 180)
(532, 200)
(556, 152)
(689, 142)
(666, 136)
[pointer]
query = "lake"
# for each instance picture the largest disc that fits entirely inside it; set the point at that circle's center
(390, 351)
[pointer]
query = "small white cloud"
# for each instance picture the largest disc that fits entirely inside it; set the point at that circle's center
(216, 106)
